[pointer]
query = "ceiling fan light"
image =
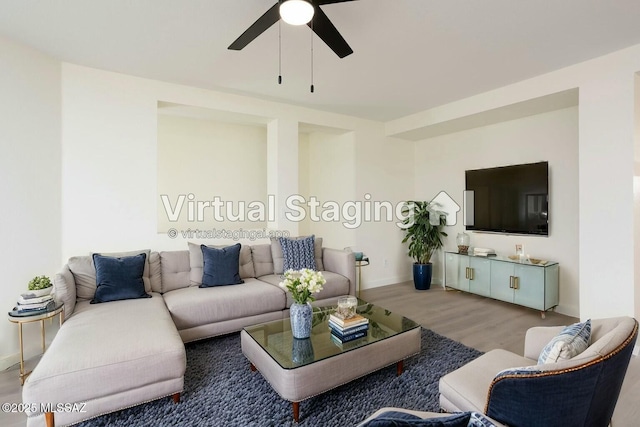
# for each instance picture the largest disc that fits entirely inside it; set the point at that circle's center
(296, 12)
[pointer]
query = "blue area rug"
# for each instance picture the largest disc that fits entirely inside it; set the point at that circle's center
(221, 390)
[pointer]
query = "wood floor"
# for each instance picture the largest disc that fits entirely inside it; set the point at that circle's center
(475, 321)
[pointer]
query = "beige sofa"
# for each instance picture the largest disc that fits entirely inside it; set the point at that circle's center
(114, 355)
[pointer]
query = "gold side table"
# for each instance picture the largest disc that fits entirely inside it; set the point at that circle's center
(21, 318)
(362, 263)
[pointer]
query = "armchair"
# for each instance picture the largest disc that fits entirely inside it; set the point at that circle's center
(514, 390)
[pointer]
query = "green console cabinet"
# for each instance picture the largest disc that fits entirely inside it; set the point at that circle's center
(519, 282)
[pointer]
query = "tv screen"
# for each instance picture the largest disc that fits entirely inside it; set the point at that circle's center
(510, 199)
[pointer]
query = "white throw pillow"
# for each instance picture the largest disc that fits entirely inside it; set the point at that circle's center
(573, 340)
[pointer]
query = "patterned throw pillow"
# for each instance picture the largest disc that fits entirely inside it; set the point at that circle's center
(298, 253)
(404, 419)
(573, 340)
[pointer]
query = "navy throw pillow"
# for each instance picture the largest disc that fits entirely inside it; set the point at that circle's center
(119, 278)
(403, 419)
(221, 266)
(298, 253)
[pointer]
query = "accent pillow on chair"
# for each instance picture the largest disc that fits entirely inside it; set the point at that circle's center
(119, 278)
(405, 419)
(573, 340)
(298, 253)
(221, 266)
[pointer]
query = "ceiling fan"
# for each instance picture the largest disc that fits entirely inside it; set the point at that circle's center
(316, 19)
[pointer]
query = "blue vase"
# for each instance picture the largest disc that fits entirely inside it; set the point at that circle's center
(302, 351)
(422, 276)
(301, 316)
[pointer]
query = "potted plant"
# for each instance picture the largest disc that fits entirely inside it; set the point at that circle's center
(423, 230)
(302, 284)
(40, 286)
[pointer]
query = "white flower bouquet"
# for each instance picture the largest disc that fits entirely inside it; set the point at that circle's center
(302, 284)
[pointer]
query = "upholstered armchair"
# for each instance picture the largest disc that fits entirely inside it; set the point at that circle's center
(519, 392)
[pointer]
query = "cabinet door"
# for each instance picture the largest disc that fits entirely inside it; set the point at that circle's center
(530, 286)
(456, 271)
(501, 281)
(480, 280)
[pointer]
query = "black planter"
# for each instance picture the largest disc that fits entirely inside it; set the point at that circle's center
(422, 276)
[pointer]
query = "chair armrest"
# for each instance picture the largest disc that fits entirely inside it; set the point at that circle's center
(64, 289)
(537, 337)
(343, 263)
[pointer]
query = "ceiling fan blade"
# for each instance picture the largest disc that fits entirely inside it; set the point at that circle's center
(321, 2)
(322, 26)
(269, 18)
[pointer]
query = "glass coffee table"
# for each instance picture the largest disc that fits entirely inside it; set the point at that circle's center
(299, 369)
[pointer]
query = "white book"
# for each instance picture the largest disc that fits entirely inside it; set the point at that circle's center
(33, 300)
(33, 306)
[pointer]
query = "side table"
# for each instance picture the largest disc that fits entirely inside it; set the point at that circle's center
(21, 318)
(361, 263)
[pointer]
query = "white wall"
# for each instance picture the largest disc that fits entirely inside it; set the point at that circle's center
(330, 177)
(606, 126)
(304, 178)
(636, 195)
(110, 163)
(441, 162)
(199, 158)
(384, 170)
(30, 175)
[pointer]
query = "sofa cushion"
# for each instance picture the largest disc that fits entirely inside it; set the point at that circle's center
(262, 259)
(90, 345)
(175, 270)
(119, 278)
(155, 273)
(197, 263)
(221, 266)
(194, 306)
(573, 340)
(466, 388)
(65, 290)
(298, 253)
(278, 257)
(84, 275)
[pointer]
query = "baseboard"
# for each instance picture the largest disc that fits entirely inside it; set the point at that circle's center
(369, 284)
(9, 360)
(636, 350)
(567, 310)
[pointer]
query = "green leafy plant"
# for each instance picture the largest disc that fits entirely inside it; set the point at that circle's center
(39, 282)
(424, 238)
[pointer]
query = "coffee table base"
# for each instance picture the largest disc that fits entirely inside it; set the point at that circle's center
(303, 382)
(296, 405)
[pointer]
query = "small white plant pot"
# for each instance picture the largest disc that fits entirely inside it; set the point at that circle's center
(41, 292)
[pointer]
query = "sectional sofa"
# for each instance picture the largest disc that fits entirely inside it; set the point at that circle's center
(118, 354)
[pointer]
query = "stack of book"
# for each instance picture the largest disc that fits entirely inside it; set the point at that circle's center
(345, 330)
(31, 303)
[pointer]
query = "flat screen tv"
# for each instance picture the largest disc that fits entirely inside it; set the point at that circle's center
(509, 199)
